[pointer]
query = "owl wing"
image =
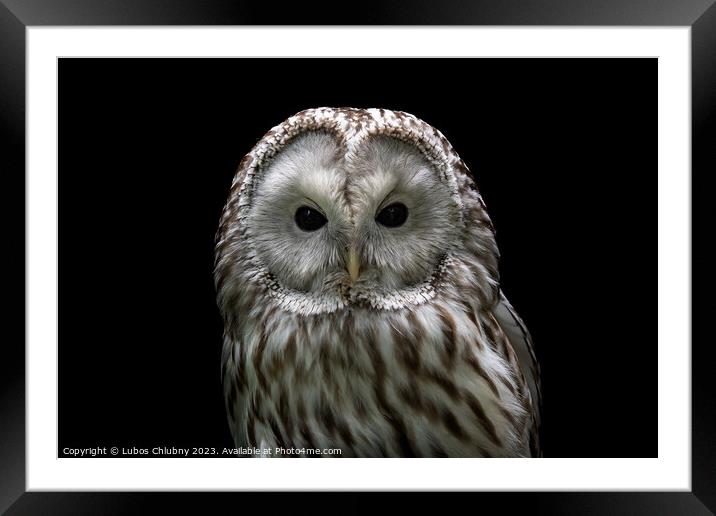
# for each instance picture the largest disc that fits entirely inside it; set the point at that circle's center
(234, 397)
(521, 341)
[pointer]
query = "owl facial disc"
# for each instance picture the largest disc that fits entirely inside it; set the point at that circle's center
(340, 207)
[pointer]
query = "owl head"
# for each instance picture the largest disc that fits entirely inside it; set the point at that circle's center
(342, 208)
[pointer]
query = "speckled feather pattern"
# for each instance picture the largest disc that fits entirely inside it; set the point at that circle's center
(441, 367)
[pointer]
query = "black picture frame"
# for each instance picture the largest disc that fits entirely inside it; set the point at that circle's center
(17, 15)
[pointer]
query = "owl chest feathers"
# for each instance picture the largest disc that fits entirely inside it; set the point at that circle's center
(437, 379)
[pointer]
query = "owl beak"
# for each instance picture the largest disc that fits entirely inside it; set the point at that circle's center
(353, 265)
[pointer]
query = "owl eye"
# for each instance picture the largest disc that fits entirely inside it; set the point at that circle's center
(393, 215)
(309, 219)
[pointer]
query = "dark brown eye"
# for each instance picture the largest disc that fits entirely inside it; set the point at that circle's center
(393, 215)
(309, 219)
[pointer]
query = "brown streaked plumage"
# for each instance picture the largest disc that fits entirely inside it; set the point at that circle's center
(358, 331)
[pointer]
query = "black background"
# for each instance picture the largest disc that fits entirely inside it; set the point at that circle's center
(563, 151)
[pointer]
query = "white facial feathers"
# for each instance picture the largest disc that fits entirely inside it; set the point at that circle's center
(305, 173)
(389, 171)
(311, 171)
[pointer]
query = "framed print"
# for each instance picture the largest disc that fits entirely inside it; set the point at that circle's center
(418, 245)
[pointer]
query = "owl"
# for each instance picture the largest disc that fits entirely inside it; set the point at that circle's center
(357, 277)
